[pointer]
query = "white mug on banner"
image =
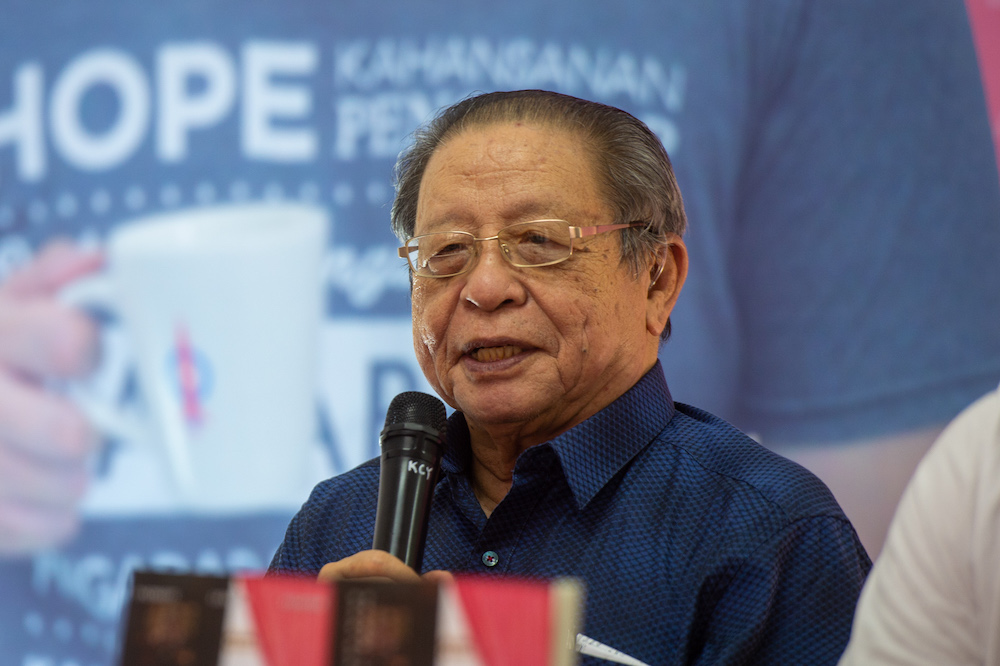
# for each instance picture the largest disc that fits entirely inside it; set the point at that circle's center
(221, 307)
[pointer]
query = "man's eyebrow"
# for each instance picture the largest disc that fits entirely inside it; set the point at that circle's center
(447, 222)
(523, 211)
(532, 209)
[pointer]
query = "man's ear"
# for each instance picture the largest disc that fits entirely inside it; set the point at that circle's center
(666, 277)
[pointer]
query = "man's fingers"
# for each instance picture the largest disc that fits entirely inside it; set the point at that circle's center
(43, 424)
(57, 264)
(45, 441)
(26, 529)
(370, 564)
(44, 339)
(39, 336)
(25, 478)
(438, 577)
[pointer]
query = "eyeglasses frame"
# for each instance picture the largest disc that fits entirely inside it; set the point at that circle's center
(574, 233)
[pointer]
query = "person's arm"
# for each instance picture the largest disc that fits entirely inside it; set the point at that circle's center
(367, 564)
(791, 601)
(920, 603)
(330, 536)
(45, 442)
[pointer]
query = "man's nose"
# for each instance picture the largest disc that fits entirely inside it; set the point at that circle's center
(493, 281)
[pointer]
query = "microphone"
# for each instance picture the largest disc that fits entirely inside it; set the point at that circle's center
(412, 443)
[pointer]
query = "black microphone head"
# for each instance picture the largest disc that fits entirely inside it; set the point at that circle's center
(417, 407)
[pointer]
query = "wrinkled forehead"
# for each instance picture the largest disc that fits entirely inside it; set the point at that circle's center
(512, 172)
(552, 126)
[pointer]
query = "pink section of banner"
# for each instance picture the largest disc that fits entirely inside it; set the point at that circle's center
(985, 18)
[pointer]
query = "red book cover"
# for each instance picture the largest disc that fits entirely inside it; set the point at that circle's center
(509, 620)
(293, 617)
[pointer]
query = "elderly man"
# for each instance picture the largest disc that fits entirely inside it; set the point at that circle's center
(544, 239)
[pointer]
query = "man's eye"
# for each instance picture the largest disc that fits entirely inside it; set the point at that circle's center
(453, 248)
(535, 239)
(542, 241)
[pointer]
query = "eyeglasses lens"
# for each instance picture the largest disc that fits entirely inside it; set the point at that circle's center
(538, 243)
(443, 254)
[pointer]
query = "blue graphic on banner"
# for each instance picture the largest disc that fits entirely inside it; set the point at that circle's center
(73, 599)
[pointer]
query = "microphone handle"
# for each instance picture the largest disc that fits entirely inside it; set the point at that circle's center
(406, 486)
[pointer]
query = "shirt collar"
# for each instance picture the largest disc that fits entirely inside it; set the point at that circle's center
(594, 451)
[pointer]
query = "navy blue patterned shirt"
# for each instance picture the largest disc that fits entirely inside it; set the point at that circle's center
(697, 545)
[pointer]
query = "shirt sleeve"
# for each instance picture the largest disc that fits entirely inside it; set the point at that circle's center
(920, 605)
(791, 601)
(285, 559)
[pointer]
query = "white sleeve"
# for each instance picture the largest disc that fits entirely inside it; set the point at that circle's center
(922, 603)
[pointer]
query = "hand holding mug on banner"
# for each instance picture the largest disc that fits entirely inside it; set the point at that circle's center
(45, 441)
(221, 308)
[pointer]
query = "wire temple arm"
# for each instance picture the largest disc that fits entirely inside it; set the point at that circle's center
(582, 232)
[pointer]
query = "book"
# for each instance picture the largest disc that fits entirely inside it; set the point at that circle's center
(189, 620)
(174, 620)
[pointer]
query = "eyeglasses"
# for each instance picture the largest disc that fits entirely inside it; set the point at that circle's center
(525, 245)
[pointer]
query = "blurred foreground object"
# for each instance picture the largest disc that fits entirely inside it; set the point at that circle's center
(290, 621)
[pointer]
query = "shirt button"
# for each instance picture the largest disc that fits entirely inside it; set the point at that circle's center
(491, 559)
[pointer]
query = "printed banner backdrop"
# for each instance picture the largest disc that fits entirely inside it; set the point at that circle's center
(818, 157)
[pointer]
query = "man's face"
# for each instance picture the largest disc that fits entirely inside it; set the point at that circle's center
(533, 350)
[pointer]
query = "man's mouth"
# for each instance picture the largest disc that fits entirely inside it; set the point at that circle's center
(491, 354)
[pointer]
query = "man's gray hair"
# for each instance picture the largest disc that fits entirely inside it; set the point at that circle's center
(632, 165)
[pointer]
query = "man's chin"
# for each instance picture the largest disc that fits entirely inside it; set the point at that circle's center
(497, 408)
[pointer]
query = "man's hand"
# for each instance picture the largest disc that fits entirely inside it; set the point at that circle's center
(377, 565)
(45, 441)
